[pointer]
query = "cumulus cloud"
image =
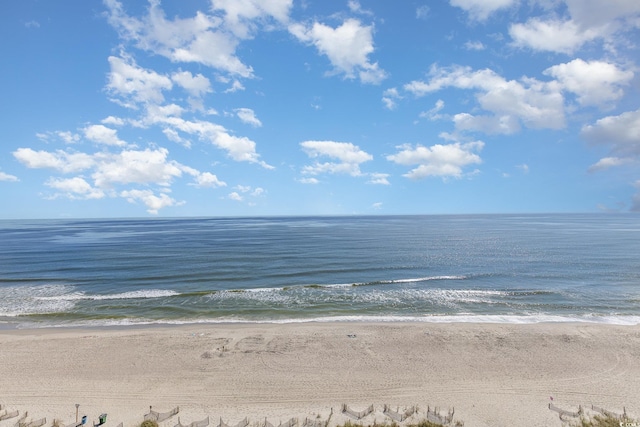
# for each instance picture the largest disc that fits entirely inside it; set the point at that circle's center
(379, 178)
(241, 149)
(134, 84)
(74, 188)
(116, 174)
(135, 166)
(480, 10)
(152, 201)
(208, 180)
(594, 82)
(196, 85)
(200, 39)
(551, 35)
(512, 103)
(390, 98)
(440, 160)
(247, 115)
(474, 45)
(347, 46)
(242, 17)
(434, 113)
(7, 177)
(59, 160)
(588, 21)
(348, 156)
(235, 196)
(621, 133)
(103, 135)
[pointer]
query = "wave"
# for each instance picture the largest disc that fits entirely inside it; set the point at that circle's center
(140, 294)
(626, 320)
(393, 281)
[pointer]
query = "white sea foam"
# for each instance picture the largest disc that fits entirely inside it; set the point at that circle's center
(443, 319)
(38, 299)
(140, 294)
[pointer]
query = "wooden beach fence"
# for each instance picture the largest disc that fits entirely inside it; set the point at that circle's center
(291, 423)
(357, 415)
(8, 415)
(21, 420)
(202, 423)
(243, 423)
(564, 412)
(35, 423)
(159, 417)
(314, 423)
(398, 416)
(435, 417)
(611, 414)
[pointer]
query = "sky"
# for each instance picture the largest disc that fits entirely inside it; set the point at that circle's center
(318, 107)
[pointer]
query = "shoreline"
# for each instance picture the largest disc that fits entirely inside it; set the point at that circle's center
(488, 319)
(493, 374)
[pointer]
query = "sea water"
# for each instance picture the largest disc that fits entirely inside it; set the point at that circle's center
(458, 268)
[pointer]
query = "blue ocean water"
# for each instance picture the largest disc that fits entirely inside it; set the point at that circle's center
(495, 268)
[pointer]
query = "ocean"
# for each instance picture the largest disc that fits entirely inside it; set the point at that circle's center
(455, 268)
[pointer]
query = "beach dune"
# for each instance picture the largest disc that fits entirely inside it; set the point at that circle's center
(492, 374)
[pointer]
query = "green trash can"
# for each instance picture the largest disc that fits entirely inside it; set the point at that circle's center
(103, 418)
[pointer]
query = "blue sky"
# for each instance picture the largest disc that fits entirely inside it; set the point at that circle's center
(288, 107)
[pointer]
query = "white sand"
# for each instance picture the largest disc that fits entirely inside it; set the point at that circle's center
(494, 375)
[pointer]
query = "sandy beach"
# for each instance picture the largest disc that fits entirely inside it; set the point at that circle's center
(492, 374)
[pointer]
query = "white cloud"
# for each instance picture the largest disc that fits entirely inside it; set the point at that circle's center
(481, 9)
(621, 133)
(241, 149)
(103, 135)
(608, 162)
(200, 39)
(135, 84)
(390, 98)
(135, 167)
(610, 13)
(75, 188)
(552, 35)
(208, 180)
(110, 172)
(588, 21)
(247, 115)
(196, 85)
(247, 190)
(153, 202)
(422, 12)
(309, 180)
(348, 48)
(235, 196)
(111, 120)
(349, 157)
(242, 16)
(379, 178)
(61, 161)
(438, 160)
(68, 137)
(433, 114)
(474, 45)
(594, 82)
(535, 104)
(7, 177)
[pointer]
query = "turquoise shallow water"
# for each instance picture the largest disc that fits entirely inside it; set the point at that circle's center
(497, 268)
